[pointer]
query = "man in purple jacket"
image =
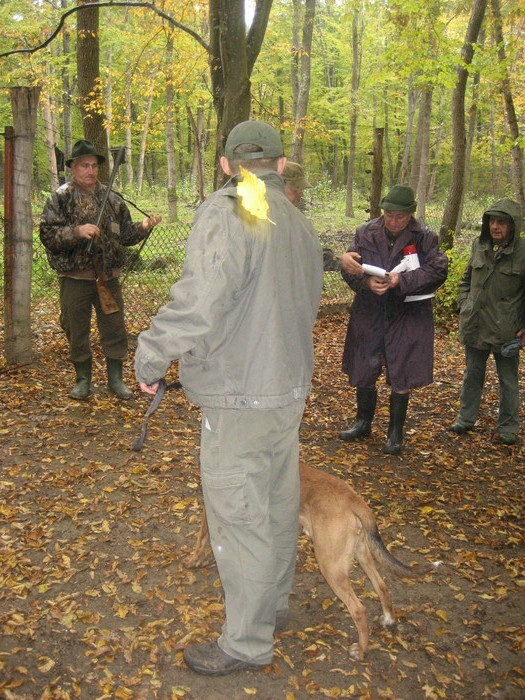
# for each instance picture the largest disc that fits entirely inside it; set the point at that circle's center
(391, 323)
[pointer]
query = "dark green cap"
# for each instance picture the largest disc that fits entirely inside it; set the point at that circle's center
(259, 134)
(400, 198)
(84, 148)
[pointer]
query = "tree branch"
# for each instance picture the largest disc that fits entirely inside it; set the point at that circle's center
(256, 32)
(110, 3)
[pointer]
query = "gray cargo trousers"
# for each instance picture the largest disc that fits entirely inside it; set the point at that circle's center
(250, 480)
(472, 388)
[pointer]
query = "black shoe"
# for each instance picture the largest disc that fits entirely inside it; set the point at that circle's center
(360, 429)
(366, 405)
(210, 660)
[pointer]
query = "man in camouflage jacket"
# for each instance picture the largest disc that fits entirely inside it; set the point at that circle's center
(73, 242)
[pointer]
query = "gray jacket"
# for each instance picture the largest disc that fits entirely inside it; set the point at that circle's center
(240, 318)
(491, 296)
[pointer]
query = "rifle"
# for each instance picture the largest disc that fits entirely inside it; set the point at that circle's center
(107, 301)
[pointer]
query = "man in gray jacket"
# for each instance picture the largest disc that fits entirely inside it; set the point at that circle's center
(240, 323)
(491, 302)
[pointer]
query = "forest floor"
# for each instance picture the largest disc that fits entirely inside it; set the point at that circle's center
(95, 597)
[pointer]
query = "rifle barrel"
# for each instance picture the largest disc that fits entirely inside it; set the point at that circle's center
(118, 159)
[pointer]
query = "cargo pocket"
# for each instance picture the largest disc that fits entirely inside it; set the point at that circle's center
(227, 492)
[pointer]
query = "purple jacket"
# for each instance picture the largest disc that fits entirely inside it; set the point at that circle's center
(386, 330)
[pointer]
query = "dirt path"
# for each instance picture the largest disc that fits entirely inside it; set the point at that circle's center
(95, 600)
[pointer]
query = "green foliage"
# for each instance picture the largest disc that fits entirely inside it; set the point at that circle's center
(446, 299)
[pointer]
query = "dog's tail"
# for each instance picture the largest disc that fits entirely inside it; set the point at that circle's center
(382, 556)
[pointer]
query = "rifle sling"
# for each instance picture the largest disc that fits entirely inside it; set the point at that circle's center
(163, 386)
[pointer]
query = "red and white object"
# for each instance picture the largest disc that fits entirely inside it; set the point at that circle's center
(410, 262)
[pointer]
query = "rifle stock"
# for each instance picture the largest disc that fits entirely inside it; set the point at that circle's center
(107, 301)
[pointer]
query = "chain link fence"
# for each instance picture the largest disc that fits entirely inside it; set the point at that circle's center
(149, 274)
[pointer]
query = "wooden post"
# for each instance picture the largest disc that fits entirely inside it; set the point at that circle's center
(377, 173)
(17, 312)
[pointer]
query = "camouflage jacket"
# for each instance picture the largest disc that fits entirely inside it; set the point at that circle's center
(68, 208)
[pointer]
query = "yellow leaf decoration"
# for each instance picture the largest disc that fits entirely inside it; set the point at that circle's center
(252, 193)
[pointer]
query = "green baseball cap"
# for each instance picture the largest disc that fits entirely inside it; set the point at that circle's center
(259, 134)
(400, 198)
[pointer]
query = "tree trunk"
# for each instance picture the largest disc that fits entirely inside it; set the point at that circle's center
(516, 151)
(232, 55)
(473, 112)
(66, 88)
(296, 53)
(450, 215)
(415, 164)
(129, 121)
(170, 135)
(109, 104)
(89, 87)
(412, 103)
(128, 117)
(18, 249)
(425, 113)
(297, 151)
(51, 140)
(439, 137)
(197, 149)
(377, 173)
(178, 131)
(494, 177)
(387, 140)
(356, 74)
(144, 137)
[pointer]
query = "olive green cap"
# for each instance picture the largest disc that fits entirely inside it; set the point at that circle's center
(259, 134)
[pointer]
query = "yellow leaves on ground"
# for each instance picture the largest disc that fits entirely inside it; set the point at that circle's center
(96, 600)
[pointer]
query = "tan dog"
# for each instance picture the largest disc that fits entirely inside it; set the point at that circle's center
(342, 528)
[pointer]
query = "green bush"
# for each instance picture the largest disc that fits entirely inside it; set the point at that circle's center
(446, 300)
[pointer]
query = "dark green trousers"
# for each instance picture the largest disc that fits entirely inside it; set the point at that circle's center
(77, 300)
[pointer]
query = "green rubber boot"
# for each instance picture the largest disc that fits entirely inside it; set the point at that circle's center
(115, 382)
(83, 378)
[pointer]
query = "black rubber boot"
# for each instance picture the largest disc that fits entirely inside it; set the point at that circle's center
(398, 412)
(115, 382)
(366, 406)
(83, 378)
